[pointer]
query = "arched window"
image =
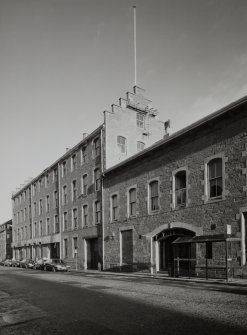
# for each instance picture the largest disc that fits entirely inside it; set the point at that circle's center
(121, 142)
(215, 185)
(140, 146)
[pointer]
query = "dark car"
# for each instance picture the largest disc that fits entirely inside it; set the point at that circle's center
(16, 263)
(39, 264)
(55, 265)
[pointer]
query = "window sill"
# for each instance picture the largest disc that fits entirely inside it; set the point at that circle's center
(213, 200)
(154, 212)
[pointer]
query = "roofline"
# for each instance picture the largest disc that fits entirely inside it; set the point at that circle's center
(180, 132)
(67, 153)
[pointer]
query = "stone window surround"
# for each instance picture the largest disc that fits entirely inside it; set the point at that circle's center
(128, 199)
(204, 182)
(94, 211)
(72, 215)
(63, 220)
(173, 193)
(111, 214)
(148, 196)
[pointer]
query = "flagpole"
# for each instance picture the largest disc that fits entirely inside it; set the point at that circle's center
(134, 9)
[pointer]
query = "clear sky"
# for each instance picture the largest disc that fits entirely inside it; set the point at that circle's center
(63, 62)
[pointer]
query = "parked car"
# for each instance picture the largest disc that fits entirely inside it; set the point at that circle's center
(39, 264)
(16, 263)
(7, 262)
(27, 263)
(55, 265)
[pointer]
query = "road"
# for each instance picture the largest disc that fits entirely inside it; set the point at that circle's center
(38, 302)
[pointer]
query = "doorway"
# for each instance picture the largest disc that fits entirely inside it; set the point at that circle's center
(92, 254)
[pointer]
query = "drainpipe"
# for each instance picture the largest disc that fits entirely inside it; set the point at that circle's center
(151, 256)
(102, 202)
(59, 210)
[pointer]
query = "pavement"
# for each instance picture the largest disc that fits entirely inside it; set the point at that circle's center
(231, 281)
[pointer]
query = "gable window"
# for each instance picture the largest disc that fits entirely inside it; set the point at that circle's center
(64, 194)
(132, 202)
(84, 184)
(215, 185)
(121, 142)
(154, 196)
(96, 147)
(180, 188)
(140, 120)
(74, 190)
(73, 162)
(75, 217)
(140, 146)
(97, 212)
(83, 155)
(85, 215)
(97, 179)
(114, 207)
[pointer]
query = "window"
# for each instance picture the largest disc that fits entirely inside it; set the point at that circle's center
(54, 175)
(40, 207)
(140, 120)
(34, 189)
(114, 207)
(56, 224)
(35, 229)
(48, 226)
(85, 215)
(40, 228)
(97, 179)
(84, 184)
(75, 247)
(132, 202)
(65, 221)
(40, 184)
(65, 248)
(96, 147)
(64, 194)
(73, 162)
(180, 188)
(215, 185)
(75, 217)
(121, 142)
(83, 155)
(64, 169)
(140, 146)
(55, 199)
(24, 196)
(25, 214)
(47, 180)
(30, 231)
(97, 212)
(74, 190)
(34, 209)
(154, 196)
(47, 203)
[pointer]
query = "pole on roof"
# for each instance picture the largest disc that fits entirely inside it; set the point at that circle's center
(134, 9)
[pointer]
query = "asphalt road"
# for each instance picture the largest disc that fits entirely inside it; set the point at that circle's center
(38, 302)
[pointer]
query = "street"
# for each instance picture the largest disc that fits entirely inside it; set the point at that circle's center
(39, 302)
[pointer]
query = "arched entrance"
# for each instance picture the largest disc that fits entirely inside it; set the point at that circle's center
(166, 249)
(161, 239)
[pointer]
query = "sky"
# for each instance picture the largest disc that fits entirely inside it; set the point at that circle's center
(63, 62)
